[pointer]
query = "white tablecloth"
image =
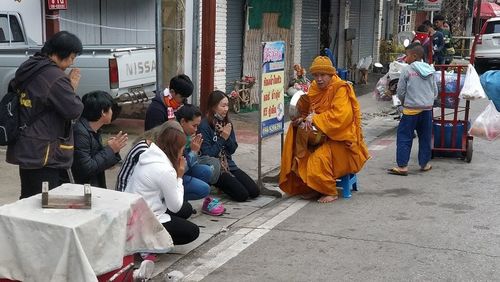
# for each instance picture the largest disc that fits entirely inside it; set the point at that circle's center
(76, 245)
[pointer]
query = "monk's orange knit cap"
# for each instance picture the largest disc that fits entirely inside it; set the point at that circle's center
(322, 64)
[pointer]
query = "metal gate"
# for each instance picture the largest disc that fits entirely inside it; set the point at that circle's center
(234, 41)
(310, 32)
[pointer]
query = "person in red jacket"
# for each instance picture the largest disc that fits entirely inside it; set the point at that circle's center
(422, 37)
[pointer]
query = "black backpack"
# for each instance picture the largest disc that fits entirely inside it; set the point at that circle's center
(10, 123)
(9, 117)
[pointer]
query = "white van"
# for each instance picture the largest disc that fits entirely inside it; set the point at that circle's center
(128, 73)
(487, 54)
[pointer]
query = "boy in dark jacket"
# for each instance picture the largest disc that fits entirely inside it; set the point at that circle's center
(164, 105)
(44, 149)
(437, 43)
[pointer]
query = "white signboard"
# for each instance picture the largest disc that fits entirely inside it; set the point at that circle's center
(432, 5)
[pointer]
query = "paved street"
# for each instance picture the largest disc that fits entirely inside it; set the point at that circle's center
(439, 225)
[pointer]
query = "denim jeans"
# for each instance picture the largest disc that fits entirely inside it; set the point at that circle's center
(195, 182)
(422, 123)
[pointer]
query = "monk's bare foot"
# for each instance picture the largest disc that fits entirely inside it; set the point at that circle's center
(310, 195)
(327, 199)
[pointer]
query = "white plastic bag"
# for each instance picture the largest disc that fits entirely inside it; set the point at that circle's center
(395, 101)
(380, 91)
(472, 89)
(365, 63)
(395, 69)
(487, 124)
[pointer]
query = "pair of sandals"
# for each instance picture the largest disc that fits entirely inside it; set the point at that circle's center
(398, 171)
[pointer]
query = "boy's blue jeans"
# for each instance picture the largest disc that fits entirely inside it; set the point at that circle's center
(195, 182)
(422, 123)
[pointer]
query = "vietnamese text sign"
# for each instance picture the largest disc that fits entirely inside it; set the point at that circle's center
(57, 4)
(272, 107)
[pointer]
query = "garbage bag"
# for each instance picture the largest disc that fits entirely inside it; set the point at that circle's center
(450, 87)
(490, 81)
(487, 124)
(450, 81)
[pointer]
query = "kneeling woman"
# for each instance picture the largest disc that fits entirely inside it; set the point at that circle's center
(219, 141)
(157, 177)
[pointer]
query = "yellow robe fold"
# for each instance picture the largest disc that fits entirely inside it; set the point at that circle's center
(338, 116)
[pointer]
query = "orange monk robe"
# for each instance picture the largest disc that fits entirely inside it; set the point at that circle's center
(338, 116)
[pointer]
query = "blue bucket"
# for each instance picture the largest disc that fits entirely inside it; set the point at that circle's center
(448, 131)
(342, 73)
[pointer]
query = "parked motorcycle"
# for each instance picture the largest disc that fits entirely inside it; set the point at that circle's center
(386, 87)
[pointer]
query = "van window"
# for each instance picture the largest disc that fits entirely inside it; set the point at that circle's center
(4, 28)
(492, 27)
(15, 34)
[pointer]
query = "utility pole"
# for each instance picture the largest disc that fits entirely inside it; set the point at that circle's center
(478, 18)
(159, 46)
(52, 25)
(207, 52)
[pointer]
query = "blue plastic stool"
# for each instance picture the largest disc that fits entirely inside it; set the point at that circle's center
(348, 182)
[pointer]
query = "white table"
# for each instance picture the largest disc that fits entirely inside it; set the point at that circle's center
(76, 245)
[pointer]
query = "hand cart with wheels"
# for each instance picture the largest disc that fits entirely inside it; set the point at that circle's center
(450, 120)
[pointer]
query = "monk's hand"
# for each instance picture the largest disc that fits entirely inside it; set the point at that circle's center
(308, 122)
(226, 131)
(296, 122)
(196, 141)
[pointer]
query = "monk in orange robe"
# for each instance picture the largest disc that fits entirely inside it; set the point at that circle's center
(325, 141)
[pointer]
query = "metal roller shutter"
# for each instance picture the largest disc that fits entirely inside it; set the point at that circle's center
(234, 42)
(354, 22)
(310, 32)
(334, 28)
(366, 29)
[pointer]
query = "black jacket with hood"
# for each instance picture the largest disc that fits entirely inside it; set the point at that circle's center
(91, 157)
(50, 104)
(157, 112)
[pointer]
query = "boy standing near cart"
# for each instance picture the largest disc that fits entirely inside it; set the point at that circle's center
(417, 91)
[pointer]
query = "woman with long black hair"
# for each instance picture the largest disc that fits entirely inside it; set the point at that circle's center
(219, 141)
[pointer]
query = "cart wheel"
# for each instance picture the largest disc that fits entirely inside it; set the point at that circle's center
(236, 105)
(468, 153)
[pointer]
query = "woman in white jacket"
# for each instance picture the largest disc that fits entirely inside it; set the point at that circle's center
(157, 177)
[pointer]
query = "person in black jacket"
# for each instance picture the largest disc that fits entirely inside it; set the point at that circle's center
(165, 104)
(44, 149)
(91, 157)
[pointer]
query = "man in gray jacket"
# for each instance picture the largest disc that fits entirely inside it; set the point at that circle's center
(417, 90)
(48, 104)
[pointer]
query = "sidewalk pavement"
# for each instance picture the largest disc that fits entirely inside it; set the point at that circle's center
(376, 123)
